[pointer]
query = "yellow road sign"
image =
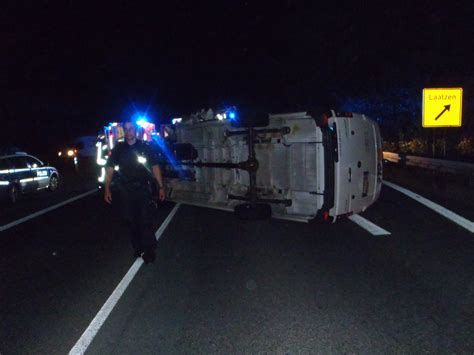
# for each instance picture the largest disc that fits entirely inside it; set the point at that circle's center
(442, 107)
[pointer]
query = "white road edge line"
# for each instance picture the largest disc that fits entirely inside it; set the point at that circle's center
(463, 222)
(46, 210)
(368, 225)
(89, 334)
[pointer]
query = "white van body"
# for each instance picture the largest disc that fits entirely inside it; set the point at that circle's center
(311, 167)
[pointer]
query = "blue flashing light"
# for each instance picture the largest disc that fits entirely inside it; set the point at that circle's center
(141, 118)
(232, 115)
(167, 153)
(141, 121)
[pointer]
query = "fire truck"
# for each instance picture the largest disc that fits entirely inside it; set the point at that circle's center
(114, 133)
(297, 166)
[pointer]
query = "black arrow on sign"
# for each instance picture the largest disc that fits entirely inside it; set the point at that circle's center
(446, 108)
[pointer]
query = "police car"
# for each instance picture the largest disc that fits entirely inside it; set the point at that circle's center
(22, 173)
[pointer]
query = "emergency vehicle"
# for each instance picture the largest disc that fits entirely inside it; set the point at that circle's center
(112, 134)
(22, 173)
(296, 166)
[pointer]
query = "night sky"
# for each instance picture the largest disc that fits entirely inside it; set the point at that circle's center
(69, 67)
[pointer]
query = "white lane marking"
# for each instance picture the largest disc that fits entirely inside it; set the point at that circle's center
(463, 222)
(86, 338)
(89, 334)
(167, 221)
(46, 210)
(368, 225)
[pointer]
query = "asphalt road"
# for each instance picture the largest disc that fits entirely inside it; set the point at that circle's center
(221, 285)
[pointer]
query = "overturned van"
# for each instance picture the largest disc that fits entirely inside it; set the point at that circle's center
(297, 166)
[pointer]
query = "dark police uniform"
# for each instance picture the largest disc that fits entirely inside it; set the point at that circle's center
(134, 179)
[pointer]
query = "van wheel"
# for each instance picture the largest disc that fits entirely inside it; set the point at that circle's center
(53, 183)
(253, 212)
(13, 194)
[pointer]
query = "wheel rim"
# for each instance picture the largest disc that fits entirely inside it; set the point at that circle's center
(53, 183)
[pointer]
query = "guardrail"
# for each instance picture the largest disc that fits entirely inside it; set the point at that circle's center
(449, 166)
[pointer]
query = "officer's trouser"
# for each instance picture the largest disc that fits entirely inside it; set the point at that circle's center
(138, 208)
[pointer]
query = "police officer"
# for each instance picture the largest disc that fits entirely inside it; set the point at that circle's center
(137, 168)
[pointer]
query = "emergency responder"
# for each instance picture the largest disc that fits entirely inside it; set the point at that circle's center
(137, 166)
